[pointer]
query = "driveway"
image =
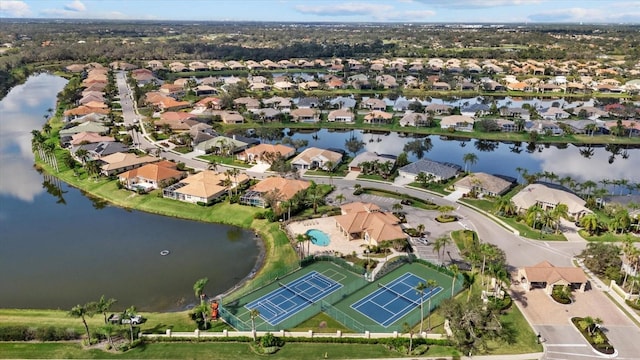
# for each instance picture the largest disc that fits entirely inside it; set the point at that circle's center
(562, 341)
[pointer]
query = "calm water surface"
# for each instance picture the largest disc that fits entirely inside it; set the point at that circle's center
(59, 248)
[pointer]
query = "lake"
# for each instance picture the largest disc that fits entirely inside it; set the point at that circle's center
(60, 248)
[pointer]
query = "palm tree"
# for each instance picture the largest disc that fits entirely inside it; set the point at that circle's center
(560, 211)
(420, 229)
(441, 244)
(430, 284)
(340, 198)
(455, 270)
(533, 215)
(590, 223)
(469, 278)
(129, 313)
(469, 158)
(407, 329)
(82, 311)
(254, 313)
(83, 155)
(445, 210)
(198, 289)
(315, 198)
(505, 206)
(420, 288)
(104, 305)
(300, 239)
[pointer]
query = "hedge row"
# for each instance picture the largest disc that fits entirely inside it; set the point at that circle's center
(26, 333)
(395, 342)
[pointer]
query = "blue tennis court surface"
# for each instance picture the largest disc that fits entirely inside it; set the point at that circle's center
(293, 297)
(394, 300)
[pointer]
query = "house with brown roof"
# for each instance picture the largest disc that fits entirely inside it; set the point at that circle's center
(457, 122)
(265, 153)
(204, 187)
(368, 222)
(306, 115)
(273, 189)
(378, 117)
(170, 104)
(341, 115)
(374, 104)
(85, 137)
(546, 276)
(151, 176)
(121, 162)
(316, 158)
(484, 184)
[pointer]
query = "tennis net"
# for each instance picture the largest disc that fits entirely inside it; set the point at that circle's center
(297, 293)
(398, 294)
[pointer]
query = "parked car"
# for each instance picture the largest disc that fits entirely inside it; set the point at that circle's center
(118, 319)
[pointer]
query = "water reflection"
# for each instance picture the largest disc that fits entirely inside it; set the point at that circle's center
(579, 162)
(22, 110)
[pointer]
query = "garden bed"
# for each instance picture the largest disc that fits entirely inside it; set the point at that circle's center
(594, 335)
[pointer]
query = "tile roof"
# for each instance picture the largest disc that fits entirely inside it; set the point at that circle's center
(287, 187)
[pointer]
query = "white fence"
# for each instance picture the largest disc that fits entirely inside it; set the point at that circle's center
(197, 334)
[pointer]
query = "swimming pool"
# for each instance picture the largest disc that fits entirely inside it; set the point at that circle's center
(318, 237)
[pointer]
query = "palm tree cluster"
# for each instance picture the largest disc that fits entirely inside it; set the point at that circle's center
(376, 167)
(102, 306)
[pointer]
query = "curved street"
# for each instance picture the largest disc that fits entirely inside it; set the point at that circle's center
(561, 340)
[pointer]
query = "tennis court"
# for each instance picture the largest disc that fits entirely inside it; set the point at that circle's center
(394, 300)
(291, 298)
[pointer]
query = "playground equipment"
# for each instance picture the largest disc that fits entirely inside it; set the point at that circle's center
(214, 310)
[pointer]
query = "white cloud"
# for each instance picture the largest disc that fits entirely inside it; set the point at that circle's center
(75, 5)
(478, 3)
(14, 8)
(347, 9)
(593, 15)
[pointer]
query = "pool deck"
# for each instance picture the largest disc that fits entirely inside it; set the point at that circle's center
(337, 241)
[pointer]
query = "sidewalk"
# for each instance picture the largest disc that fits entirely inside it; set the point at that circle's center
(479, 357)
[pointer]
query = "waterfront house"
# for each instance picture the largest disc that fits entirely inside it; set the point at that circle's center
(265, 153)
(341, 115)
(306, 115)
(120, 162)
(457, 122)
(278, 188)
(439, 171)
(548, 196)
(484, 184)
(414, 119)
(378, 117)
(204, 187)
(151, 176)
(316, 158)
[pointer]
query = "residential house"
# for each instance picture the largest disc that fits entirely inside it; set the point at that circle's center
(546, 87)
(378, 117)
(553, 113)
(83, 110)
(370, 157)
(546, 276)
(247, 102)
(438, 109)
(584, 126)
(120, 162)
(316, 158)
(517, 113)
(284, 85)
(366, 221)
(308, 103)
(278, 188)
(305, 115)
(265, 153)
(341, 115)
(96, 151)
(544, 127)
(204, 187)
(221, 144)
(266, 114)
(86, 138)
(548, 196)
(457, 122)
(213, 103)
(437, 170)
(231, 117)
(414, 119)
(151, 176)
(202, 90)
(484, 184)
(87, 126)
(508, 125)
(170, 104)
(374, 104)
(520, 86)
(440, 86)
(477, 109)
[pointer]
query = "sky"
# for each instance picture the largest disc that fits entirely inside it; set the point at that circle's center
(405, 11)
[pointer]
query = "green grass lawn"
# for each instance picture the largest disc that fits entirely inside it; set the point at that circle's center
(202, 350)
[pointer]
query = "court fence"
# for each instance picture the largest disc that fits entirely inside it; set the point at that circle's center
(264, 280)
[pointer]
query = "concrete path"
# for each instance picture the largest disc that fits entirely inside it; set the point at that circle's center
(352, 175)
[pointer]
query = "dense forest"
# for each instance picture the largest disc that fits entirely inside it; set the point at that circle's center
(53, 41)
